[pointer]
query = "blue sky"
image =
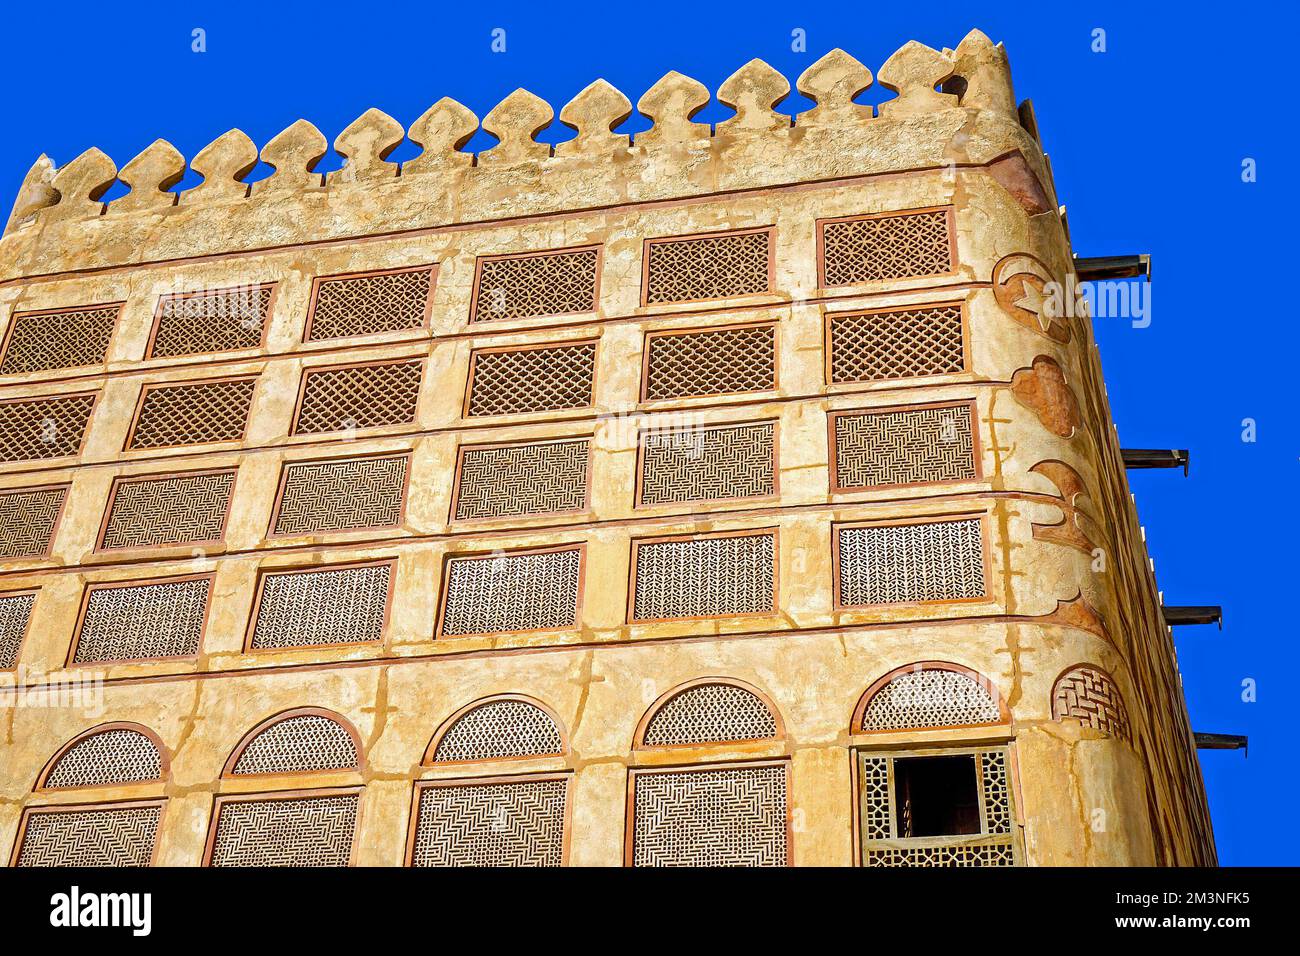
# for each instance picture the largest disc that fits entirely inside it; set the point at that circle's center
(1146, 139)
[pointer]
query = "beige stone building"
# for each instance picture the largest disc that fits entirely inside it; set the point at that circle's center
(730, 496)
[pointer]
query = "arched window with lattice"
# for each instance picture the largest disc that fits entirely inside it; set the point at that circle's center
(1089, 695)
(108, 757)
(515, 820)
(929, 696)
(304, 827)
(719, 813)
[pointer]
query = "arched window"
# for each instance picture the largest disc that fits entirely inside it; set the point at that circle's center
(97, 834)
(928, 696)
(516, 820)
(719, 813)
(291, 827)
(1090, 695)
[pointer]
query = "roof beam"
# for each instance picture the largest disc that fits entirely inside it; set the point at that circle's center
(1113, 267)
(1176, 614)
(1157, 458)
(1221, 742)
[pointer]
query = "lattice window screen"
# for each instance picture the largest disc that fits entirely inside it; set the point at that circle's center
(299, 744)
(143, 621)
(311, 831)
(510, 480)
(520, 381)
(341, 495)
(705, 577)
(495, 824)
(717, 362)
(887, 564)
(109, 757)
(370, 304)
(193, 414)
(15, 612)
(216, 320)
(117, 836)
(707, 267)
(364, 396)
(930, 698)
(152, 512)
(36, 429)
(886, 247)
(512, 592)
(27, 520)
(732, 816)
(521, 287)
(904, 446)
(43, 341)
(710, 713)
(708, 464)
(499, 729)
(1091, 696)
(316, 608)
(877, 346)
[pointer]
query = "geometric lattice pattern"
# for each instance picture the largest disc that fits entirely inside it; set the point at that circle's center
(903, 343)
(519, 381)
(503, 593)
(217, 320)
(710, 713)
(891, 564)
(705, 577)
(998, 853)
(106, 758)
(112, 836)
(719, 362)
(150, 512)
(726, 816)
(15, 612)
(903, 446)
(549, 283)
(363, 396)
(505, 480)
(498, 729)
(328, 606)
(707, 464)
(341, 495)
(299, 744)
(143, 621)
(370, 304)
(41, 341)
(709, 267)
(520, 823)
(886, 247)
(27, 521)
(193, 414)
(930, 698)
(1091, 697)
(297, 831)
(40, 428)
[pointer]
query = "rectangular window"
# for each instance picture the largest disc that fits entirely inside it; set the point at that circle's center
(142, 621)
(722, 361)
(498, 481)
(195, 413)
(713, 575)
(43, 428)
(214, 320)
(117, 835)
(322, 606)
(15, 613)
(357, 396)
(949, 807)
(177, 509)
(58, 338)
(517, 381)
(910, 445)
(290, 829)
(886, 344)
(369, 303)
(535, 284)
(909, 563)
(707, 464)
(889, 245)
(710, 266)
(514, 822)
(507, 593)
(28, 517)
(342, 495)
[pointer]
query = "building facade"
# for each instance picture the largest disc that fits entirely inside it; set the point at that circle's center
(735, 495)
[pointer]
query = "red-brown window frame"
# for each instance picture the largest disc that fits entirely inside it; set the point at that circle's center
(859, 711)
(487, 446)
(644, 432)
(28, 812)
(430, 752)
(976, 449)
(134, 582)
(830, 315)
(58, 515)
(256, 796)
(29, 313)
(201, 293)
(310, 370)
(158, 386)
(775, 326)
(27, 627)
(264, 572)
(90, 416)
(317, 281)
(479, 262)
(649, 241)
(774, 531)
(228, 768)
(444, 584)
(120, 480)
(530, 347)
(638, 737)
(163, 755)
(284, 475)
(953, 262)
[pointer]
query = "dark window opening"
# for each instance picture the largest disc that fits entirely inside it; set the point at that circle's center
(936, 796)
